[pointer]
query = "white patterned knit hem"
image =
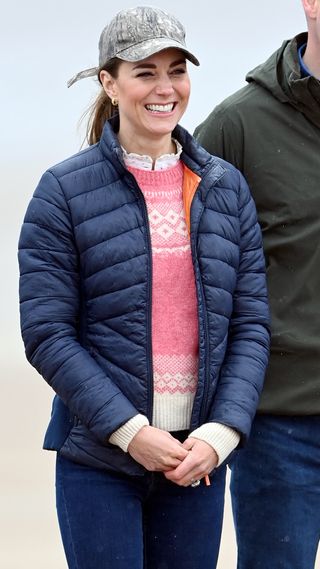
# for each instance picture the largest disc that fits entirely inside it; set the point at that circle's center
(172, 412)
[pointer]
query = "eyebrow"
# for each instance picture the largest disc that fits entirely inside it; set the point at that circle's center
(153, 66)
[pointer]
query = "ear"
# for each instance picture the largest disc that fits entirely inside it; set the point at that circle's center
(109, 84)
(311, 8)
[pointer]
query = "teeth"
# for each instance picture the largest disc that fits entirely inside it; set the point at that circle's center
(160, 108)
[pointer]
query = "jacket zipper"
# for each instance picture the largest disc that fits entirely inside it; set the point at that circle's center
(199, 287)
(149, 297)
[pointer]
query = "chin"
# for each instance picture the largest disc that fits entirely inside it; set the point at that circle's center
(164, 129)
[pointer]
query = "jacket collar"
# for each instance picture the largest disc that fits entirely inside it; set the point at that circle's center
(194, 156)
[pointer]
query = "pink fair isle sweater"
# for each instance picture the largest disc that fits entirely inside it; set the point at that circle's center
(174, 310)
(174, 303)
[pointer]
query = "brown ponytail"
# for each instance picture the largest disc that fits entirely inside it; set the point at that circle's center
(102, 109)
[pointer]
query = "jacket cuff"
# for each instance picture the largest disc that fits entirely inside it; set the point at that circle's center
(223, 439)
(123, 436)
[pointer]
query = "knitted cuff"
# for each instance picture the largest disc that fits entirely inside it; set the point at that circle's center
(123, 436)
(223, 439)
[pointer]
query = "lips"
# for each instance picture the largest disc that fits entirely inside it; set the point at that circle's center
(160, 108)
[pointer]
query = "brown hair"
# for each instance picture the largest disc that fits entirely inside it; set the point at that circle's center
(102, 109)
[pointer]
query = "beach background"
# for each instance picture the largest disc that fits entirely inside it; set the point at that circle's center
(42, 46)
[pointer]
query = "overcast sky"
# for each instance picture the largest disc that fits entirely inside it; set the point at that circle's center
(45, 43)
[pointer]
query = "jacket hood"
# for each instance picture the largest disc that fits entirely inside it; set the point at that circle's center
(281, 75)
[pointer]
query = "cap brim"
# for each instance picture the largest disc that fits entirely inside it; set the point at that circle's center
(150, 47)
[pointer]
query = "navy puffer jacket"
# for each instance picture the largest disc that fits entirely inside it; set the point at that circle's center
(85, 293)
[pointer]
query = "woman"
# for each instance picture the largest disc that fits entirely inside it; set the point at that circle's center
(143, 305)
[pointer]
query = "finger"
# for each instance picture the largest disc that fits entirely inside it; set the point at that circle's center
(181, 454)
(176, 451)
(169, 465)
(186, 470)
(170, 458)
(188, 444)
(190, 470)
(187, 481)
(179, 443)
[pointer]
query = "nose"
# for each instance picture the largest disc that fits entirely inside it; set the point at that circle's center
(164, 86)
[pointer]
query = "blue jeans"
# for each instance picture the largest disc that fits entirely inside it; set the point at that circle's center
(113, 521)
(275, 486)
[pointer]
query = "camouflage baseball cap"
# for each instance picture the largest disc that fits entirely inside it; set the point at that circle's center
(135, 34)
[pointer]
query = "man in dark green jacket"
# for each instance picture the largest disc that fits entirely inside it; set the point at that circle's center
(270, 130)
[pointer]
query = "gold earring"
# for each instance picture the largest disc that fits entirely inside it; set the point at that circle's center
(114, 101)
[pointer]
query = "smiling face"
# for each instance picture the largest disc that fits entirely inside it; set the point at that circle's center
(152, 96)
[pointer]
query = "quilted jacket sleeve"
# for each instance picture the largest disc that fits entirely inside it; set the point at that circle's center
(243, 370)
(50, 312)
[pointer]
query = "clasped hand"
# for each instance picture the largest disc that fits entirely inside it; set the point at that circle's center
(181, 463)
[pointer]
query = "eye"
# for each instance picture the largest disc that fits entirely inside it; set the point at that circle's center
(179, 71)
(145, 74)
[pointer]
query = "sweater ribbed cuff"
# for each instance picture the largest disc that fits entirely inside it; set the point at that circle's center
(223, 439)
(123, 436)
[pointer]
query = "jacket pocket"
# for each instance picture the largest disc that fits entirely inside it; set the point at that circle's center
(59, 427)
